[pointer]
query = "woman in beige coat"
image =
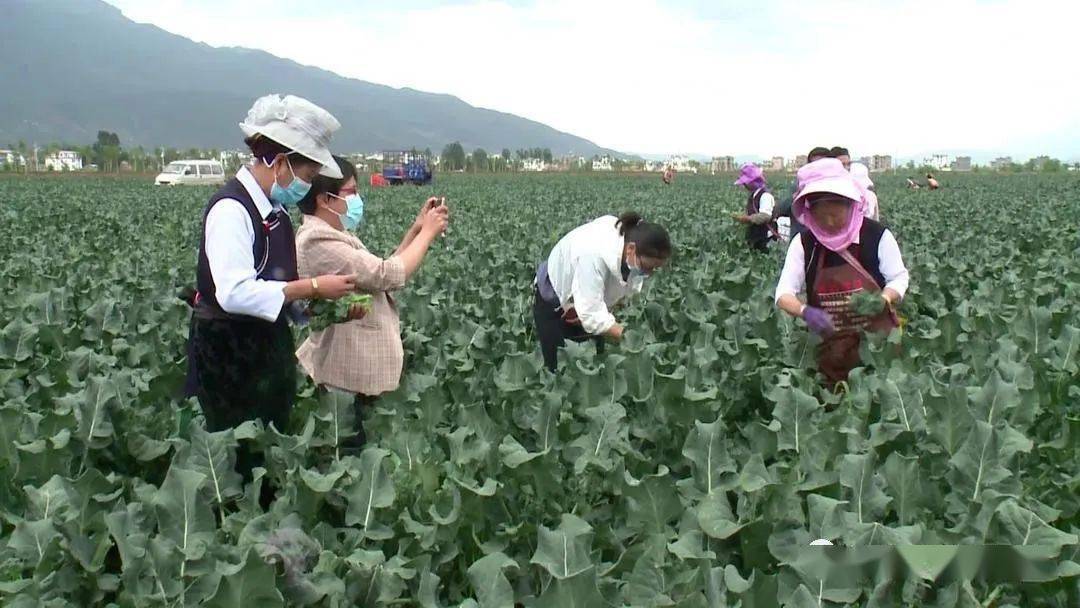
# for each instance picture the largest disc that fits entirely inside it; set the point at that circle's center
(364, 355)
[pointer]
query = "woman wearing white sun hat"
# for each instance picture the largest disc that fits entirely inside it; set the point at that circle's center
(240, 349)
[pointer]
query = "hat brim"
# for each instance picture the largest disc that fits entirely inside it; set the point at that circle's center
(742, 181)
(293, 141)
(843, 186)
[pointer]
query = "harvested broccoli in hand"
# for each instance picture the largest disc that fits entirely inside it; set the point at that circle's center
(867, 304)
(325, 313)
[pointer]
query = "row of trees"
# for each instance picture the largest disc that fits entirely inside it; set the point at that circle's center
(455, 158)
(106, 155)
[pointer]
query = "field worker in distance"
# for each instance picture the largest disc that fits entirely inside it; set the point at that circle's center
(761, 228)
(364, 355)
(240, 349)
(784, 208)
(861, 174)
(589, 271)
(931, 182)
(842, 255)
(669, 175)
(841, 154)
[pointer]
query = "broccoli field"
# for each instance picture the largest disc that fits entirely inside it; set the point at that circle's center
(690, 466)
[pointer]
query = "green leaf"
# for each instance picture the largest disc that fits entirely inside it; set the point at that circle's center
(652, 501)
(18, 340)
(709, 454)
(579, 591)
(249, 584)
(92, 410)
(490, 583)
(794, 409)
(372, 491)
(182, 516)
(213, 455)
(981, 462)
(564, 551)
(691, 545)
(902, 476)
(337, 412)
(1019, 526)
(927, 561)
(857, 474)
(715, 517)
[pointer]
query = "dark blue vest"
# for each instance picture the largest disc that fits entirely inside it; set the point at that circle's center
(274, 249)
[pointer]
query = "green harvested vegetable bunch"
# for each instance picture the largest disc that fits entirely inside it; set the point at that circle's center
(867, 304)
(325, 313)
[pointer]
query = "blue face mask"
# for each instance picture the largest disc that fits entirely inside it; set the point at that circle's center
(354, 211)
(291, 195)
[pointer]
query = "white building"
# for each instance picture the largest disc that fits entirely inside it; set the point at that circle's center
(602, 164)
(940, 162)
(722, 164)
(64, 160)
(11, 158)
(653, 166)
(681, 164)
(533, 164)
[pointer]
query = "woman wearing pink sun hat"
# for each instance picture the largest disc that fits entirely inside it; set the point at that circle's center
(840, 254)
(761, 227)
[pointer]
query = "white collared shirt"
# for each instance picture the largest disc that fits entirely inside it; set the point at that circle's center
(585, 269)
(229, 239)
(890, 264)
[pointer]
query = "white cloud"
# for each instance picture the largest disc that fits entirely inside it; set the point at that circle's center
(649, 76)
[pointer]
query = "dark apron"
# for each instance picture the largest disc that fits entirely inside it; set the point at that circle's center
(242, 370)
(833, 288)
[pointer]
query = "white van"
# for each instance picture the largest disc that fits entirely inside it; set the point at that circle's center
(191, 172)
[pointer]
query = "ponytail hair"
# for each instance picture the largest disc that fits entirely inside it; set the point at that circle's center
(651, 240)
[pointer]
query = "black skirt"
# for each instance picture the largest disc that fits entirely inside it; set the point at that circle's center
(242, 370)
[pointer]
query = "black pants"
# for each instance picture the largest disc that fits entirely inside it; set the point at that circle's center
(244, 370)
(361, 405)
(553, 332)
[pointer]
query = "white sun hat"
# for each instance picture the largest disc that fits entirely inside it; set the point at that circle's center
(297, 124)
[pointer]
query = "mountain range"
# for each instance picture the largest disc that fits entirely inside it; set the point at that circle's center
(73, 67)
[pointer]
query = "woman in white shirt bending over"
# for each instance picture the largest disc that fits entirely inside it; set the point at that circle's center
(589, 271)
(842, 253)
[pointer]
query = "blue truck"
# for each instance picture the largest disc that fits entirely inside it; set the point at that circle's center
(401, 167)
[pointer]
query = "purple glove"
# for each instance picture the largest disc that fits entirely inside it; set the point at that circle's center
(818, 321)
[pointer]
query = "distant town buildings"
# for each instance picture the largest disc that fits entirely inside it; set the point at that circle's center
(602, 163)
(533, 164)
(63, 160)
(800, 160)
(776, 164)
(962, 164)
(1039, 162)
(722, 164)
(880, 162)
(681, 164)
(939, 162)
(1001, 163)
(11, 158)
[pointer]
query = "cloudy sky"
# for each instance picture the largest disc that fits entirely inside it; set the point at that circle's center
(699, 76)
